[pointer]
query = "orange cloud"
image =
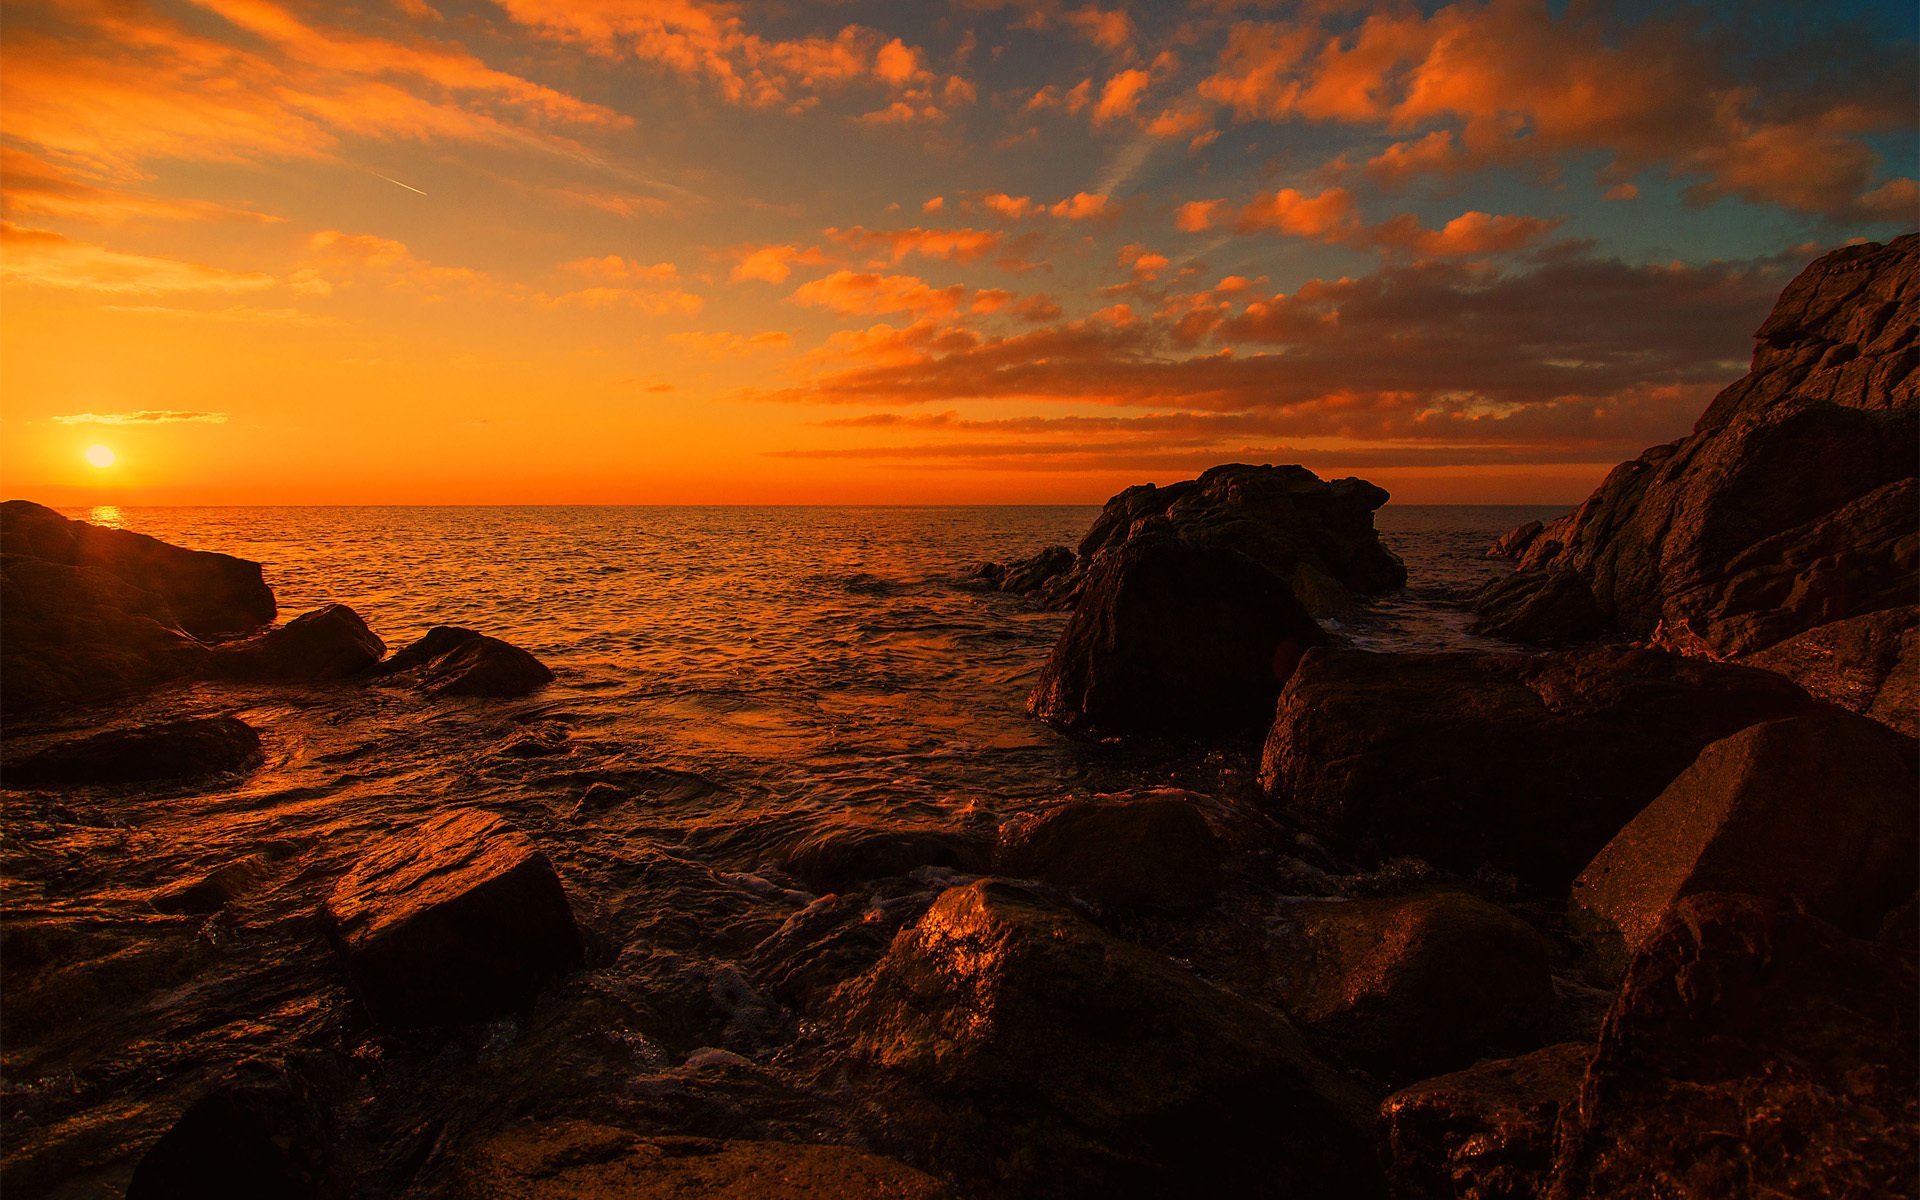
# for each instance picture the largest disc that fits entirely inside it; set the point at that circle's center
(1333, 216)
(1120, 98)
(867, 292)
(47, 259)
(622, 270)
(948, 245)
(773, 263)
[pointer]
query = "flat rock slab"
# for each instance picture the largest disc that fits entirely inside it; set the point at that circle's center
(192, 749)
(574, 1160)
(462, 919)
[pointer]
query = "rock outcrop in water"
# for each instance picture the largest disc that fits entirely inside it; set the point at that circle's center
(449, 661)
(87, 612)
(175, 750)
(327, 643)
(1788, 510)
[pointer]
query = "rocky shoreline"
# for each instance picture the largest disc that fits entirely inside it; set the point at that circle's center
(1604, 920)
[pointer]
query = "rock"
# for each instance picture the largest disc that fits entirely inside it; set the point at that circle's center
(852, 850)
(833, 939)
(568, 1159)
(1155, 852)
(459, 662)
(191, 749)
(1869, 663)
(1514, 542)
(1816, 810)
(1049, 576)
(461, 919)
(1029, 1053)
(1753, 1051)
(1527, 763)
(1411, 986)
(1547, 607)
(1173, 638)
(258, 1133)
(1485, 1133)
(1789, 507)
(327, 643)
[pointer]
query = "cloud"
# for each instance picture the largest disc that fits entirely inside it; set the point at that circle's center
(949, 245)
(145, 416)
(1120, 98)
(1333, 216)
(870, 293)
(773, 263)
(31, 186)
(47, 259)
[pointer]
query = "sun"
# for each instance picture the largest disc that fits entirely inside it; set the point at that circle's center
(101, 456)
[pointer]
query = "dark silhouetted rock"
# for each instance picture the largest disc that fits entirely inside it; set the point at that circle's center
(1029, 1053)
(459, 662)
(327, 643)
(1514, 542)
(1174, 638)
(459, 920)
(190, 749)
(1048, 576)
(1789, 507)
(850, 851)
(256, 1134)
(572, 1160)
(1816, 810)
(1752, 1051)
(833, 939)
(1528, 763)
(1485, 1133)
(1153, 852)
(1869, 663)
(1409, 986)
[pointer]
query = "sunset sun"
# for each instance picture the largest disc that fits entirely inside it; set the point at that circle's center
(101, 456)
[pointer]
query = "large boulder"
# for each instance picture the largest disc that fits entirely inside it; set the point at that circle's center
(1485, 1133)
(190, 749)
(449, 661)
(1753, 1051)
(1175, 638)
(1869, 663)
(327, 643)
(1407, 987)
(1816, 810)
(1033, 1054)
(565, 1160)
(1789, 507)
(86, 612)
(1527, 763)
(1153, 852)
(459, 919)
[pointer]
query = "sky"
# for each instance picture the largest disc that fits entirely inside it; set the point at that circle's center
(978, 251)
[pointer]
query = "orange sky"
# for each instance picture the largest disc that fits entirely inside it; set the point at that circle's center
(672, 251)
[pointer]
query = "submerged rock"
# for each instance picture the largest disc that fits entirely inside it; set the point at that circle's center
(1176, 638)
(449, 661)
(1485, 1133)
(569, 1159)
(189, 749)
(1816, 810)
(1049, 576)
(1528, 763)
(1407, 987)
(458, 920)
(327, 643)
(1789, 507)
(1147, 853)
(1753, 1051)
(1031, 1054)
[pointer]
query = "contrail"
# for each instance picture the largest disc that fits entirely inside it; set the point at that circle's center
(397, 183)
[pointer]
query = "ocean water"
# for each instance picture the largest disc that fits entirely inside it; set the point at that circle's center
(741, 678)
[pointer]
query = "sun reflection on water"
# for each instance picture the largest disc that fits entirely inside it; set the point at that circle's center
(105, 514)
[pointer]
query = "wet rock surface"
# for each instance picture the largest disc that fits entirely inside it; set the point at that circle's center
(257, 1133)
(1030, 1051)
(174, 750)
(325, 644)
(1790, 506)
(1816, 811)
(851, 852)
(1408, 987)
(459, 920)
(1152, 853)
(449, 661)
(1525, 763)
(1484, 1133)
(1752, 1051)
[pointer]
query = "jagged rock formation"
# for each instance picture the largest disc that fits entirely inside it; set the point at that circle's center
(1790, 507)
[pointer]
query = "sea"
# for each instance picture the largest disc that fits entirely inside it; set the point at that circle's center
(738, 678)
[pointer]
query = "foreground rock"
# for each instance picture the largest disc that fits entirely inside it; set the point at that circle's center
(1870, 664)
(1411, 986)
(1753, 1051)
(1788, 508)
(86, 612)
(327, 643)
(1031, 1054)
(1316, 536)
(569, 1159)
(449, 661)
(459, 920)
(1525, 763)
(1135, 854)
(1173, 638)
(190, 749)
(1817, 811)
(1485, 1133)
(257, 1133)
